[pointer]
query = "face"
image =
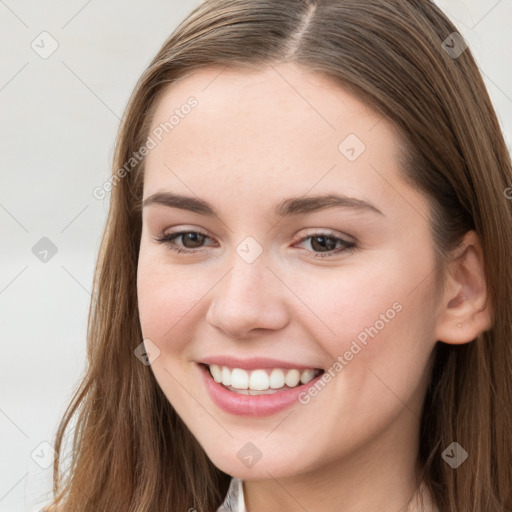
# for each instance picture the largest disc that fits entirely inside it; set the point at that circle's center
(263, 274)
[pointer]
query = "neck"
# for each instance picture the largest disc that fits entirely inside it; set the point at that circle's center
(383, 475)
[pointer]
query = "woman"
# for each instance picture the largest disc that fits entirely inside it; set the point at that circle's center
(302, 298)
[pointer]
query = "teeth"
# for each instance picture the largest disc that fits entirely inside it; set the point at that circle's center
(276, 379)
(260, 380)
(239, 378)
(308, 375)
(292, 378)
(225, 376)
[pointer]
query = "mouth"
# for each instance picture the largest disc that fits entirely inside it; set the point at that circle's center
(260, 381)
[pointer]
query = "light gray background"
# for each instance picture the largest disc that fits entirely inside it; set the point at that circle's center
(59, 119)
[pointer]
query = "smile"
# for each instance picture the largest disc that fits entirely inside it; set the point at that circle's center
(246, 401)
(261, 381)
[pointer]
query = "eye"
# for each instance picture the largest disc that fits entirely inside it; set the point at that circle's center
(328, 244)
(191, 240)
(325, 243)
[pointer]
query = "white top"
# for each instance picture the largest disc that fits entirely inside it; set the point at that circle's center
(234, 500)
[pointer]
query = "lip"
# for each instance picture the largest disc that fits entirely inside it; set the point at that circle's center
(251, 405)
(254, 363)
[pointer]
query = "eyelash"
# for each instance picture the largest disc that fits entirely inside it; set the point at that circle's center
(168, 240)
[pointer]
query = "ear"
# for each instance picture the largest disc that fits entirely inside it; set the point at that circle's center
(465, 309)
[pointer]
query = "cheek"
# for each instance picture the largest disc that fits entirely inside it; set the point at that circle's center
(167, 299)
(374, 319)
(168, 304)
(379, 339)
(348, 301)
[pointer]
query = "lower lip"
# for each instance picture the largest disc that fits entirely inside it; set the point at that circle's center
(252, 405)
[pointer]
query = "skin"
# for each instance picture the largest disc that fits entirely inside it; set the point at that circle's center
(254, 139)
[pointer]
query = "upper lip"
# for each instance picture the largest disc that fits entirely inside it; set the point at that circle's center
(254, 363)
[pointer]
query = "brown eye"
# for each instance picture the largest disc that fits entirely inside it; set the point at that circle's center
(326, 244)
(190, 240)
(323, 243)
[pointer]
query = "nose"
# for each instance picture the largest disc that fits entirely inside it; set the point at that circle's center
(249, 299)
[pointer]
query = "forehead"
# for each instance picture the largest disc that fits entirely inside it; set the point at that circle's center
(279, 128)
(281, 94)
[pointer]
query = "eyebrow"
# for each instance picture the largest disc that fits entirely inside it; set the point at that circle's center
(285, 208)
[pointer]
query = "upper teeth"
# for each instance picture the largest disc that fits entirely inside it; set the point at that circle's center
(260, 380)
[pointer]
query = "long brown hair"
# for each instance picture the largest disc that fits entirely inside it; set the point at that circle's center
(130, 450)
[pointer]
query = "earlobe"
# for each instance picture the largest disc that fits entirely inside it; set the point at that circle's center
(466, 311)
